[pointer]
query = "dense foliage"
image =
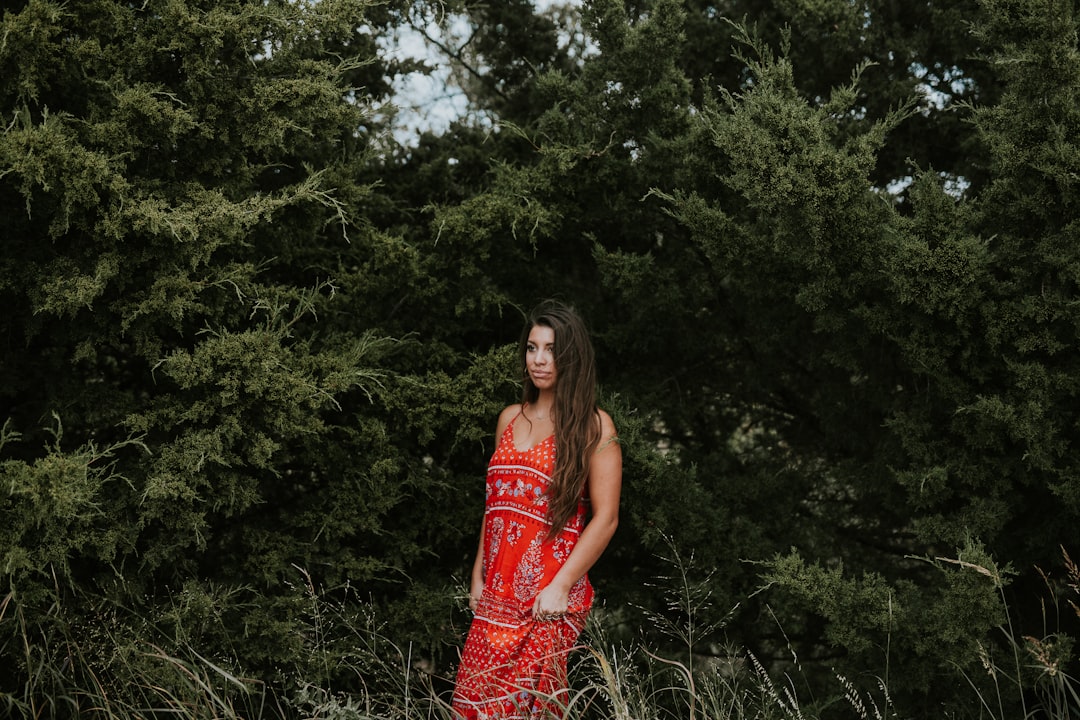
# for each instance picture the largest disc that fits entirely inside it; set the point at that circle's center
(254, 347)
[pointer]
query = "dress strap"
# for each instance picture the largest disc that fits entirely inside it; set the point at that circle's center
(508, 432)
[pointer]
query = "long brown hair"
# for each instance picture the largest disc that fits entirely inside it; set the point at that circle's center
(577, 422)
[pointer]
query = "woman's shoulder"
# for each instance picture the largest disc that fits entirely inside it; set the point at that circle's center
(508, 413)
(609, 436)
(607, 425)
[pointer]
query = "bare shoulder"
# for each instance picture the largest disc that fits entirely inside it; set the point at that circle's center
(607, 425)
(508, 413)
(608, 434)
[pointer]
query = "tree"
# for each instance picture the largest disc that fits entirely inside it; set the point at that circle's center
(835, 368)
(204, 380)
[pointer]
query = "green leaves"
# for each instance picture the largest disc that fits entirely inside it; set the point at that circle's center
(180, 180)
(56, 509)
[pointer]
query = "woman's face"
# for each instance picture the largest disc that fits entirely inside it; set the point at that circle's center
(540, 357)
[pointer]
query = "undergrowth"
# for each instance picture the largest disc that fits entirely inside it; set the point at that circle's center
(355, 672)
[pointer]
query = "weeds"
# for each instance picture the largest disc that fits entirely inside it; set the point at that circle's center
(352, 671)
(1036, 663)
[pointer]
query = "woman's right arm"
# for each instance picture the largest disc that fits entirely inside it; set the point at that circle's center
(476, 586)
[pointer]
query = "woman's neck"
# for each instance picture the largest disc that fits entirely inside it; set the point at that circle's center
(543, 407)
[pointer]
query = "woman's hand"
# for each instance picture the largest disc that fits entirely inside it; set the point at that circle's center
(475, 592)
(551, 603)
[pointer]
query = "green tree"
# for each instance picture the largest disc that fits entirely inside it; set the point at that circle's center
(206, 392)
(865, 380)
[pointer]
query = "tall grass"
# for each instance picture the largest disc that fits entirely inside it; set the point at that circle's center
(638, 683)
(68, 670)
(1038, 664)
(123, 669)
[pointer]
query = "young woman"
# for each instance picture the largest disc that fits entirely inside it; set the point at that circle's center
(552, 505)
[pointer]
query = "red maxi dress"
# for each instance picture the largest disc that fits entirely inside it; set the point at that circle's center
(512, 666)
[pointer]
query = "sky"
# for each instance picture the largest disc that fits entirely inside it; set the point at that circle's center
(424, 101)
(427, 101)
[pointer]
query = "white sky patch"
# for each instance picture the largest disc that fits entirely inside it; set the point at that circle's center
(432, 101)
(424, 101)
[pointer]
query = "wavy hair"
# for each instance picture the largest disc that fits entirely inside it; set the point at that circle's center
(577, 422)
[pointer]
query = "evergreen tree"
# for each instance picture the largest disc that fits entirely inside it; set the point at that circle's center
(833, 369)
(208, 399)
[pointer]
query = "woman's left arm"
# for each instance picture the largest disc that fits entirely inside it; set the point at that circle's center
(605, 486)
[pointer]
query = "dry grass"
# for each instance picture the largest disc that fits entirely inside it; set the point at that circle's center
(62, 679)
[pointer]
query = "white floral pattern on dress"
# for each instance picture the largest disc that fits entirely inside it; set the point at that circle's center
(530, 571)
(515, 532)
(494, 532)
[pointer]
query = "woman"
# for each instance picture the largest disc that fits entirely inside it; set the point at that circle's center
(552, 505)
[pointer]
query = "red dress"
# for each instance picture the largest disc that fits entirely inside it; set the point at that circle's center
(513, 666)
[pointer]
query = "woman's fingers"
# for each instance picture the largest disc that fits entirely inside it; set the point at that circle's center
(549, 605)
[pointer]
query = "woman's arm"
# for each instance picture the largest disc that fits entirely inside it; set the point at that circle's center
(605, 487)
(476, 584)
